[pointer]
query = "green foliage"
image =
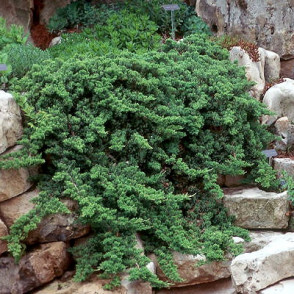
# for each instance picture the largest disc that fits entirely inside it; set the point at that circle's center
(193, 24)
(77, 13)
(287, 183)
(139, 141)
(11, 35)
(23, 57)
(122, 31)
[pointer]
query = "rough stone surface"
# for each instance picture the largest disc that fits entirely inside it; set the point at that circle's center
(10, 121)
(193, 274)
(17, 12)
(257, 209)
(283, 287)
(49, 8)
(280, 99)
(37, 268)
(284, 164)
(254, 70)
(94, 286)
(18, 179)
(254, 271)
(259, 239)
(223, 286)
(272, 65)
(56, 227)
(3, 232)
(287, 68)
(285, 129)
(268, 23)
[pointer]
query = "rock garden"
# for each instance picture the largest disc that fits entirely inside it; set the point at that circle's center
(146, 147)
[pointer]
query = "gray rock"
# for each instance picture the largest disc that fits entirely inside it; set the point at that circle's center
(283, 287)
(284, 165)
(3, 232)
(257, 209)
(268, 23)
(254, 271)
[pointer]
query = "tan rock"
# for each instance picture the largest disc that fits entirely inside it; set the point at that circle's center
(10, 121)
(92, 286)
(14, 182)
(55, 227)
(40, 266)
(257, 209)
(193, 274)
(3, 232)
(284, 165)
(17, 12)
(14, 208)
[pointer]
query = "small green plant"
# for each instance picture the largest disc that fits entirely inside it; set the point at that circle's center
(193, 24)
(22, 57)
(11, 35)
(4, 74)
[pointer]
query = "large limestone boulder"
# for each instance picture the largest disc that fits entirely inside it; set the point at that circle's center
(18, 179)
(10, 121)
(280, 100)
(254, 69)
(268, 22)
(254, 271)
(257, 209)
(56, 227)
(272, 65)
(17, 12)
(37, 268)
(3, 232)
(193, 274)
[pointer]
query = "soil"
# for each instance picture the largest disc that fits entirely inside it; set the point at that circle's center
(41, 36)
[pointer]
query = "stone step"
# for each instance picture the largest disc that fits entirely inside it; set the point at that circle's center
(252, 272)
(284, 165)
(257, 209)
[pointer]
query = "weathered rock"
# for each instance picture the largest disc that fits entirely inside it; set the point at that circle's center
(3, 232)
(284, 164)
(49, 8)
(17, 12)
(56, 227)
(91, 286)
(10, 121)
(136, 287)
(37, 268)
(254, 70)
(257, 209)
(259, 239)
(287, 68)
(283, 287)
(285, 130)
(254, 271)
(266, 22)
(272, 65)
(18, 179)
(192, 274)
(218, 287)
(280, 100)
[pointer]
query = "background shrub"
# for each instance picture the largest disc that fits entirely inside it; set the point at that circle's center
(139, 141)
